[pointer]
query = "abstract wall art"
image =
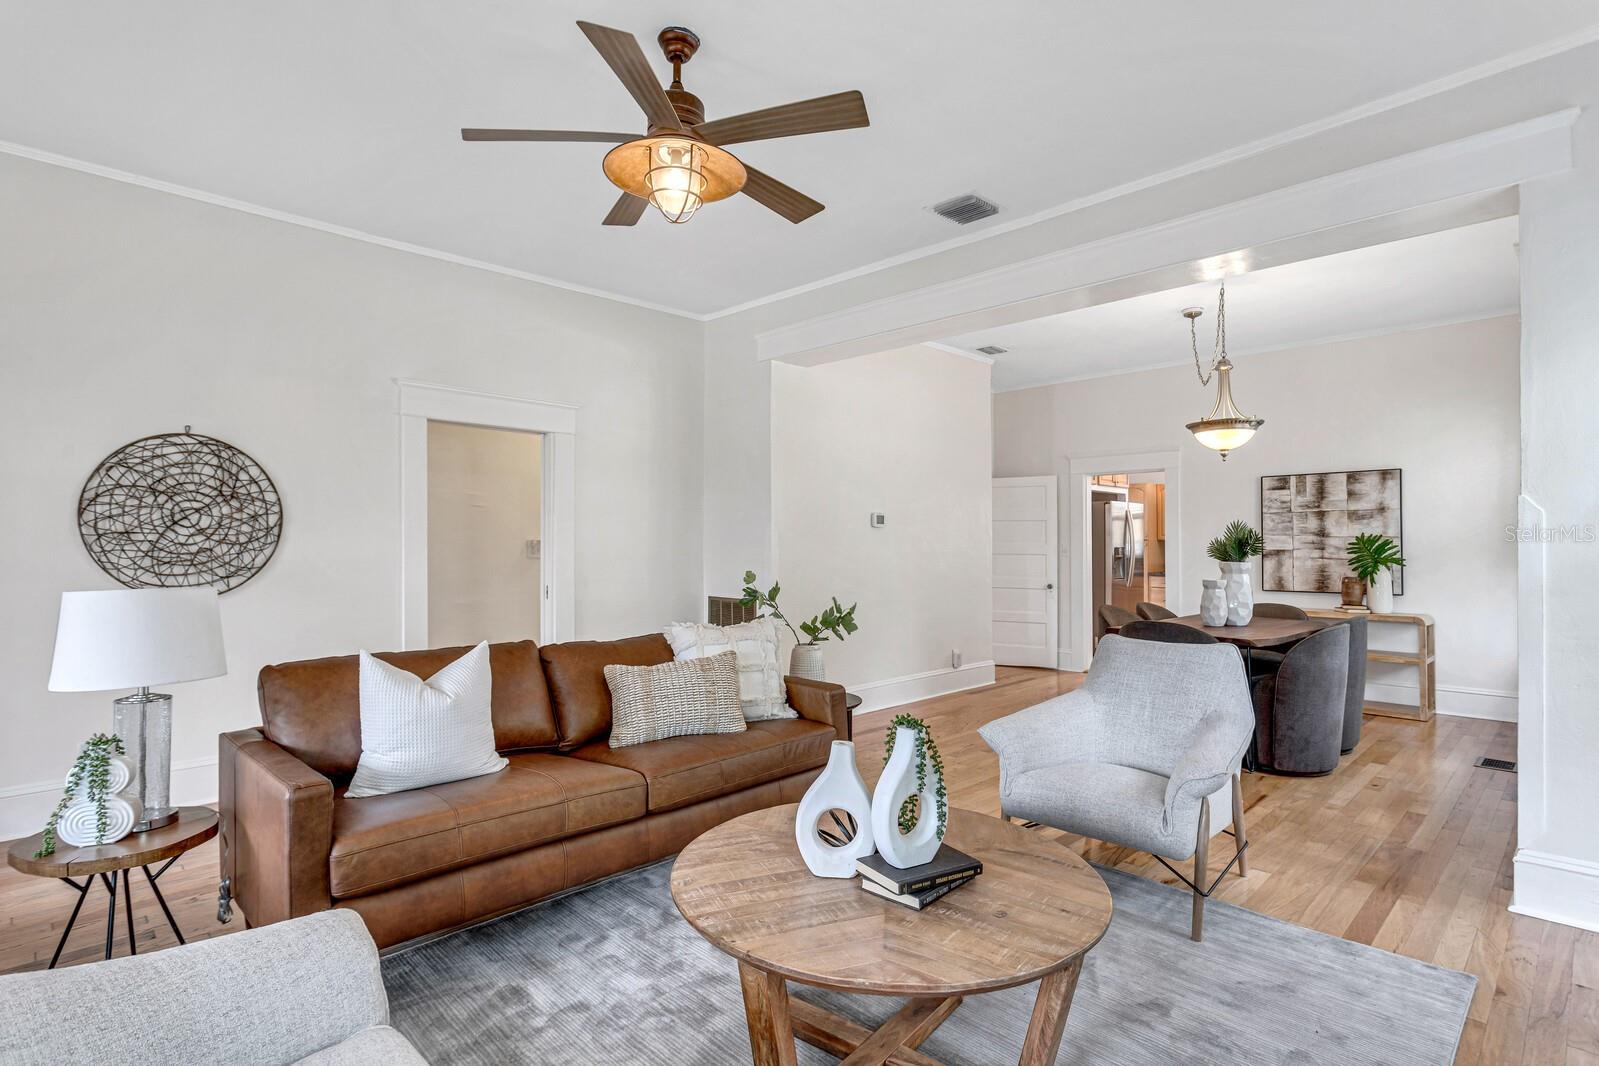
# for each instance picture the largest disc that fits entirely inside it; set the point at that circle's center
(1309, 519)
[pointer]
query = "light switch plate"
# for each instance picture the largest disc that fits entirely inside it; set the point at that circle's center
(879, 519)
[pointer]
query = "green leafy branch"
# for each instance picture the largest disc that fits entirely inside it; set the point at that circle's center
(94, 765)
(926, 754)
(1236, 544)
(834, 623)
(1371, 553)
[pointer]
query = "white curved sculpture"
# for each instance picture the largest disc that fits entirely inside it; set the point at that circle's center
(897, 784)
(839, 788)
(119, 771)
(76, 826)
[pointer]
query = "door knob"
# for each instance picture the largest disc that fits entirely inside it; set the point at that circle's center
(1049, 587)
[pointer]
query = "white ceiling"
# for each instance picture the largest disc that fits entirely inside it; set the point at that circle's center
(348, 112)
(1454, 275)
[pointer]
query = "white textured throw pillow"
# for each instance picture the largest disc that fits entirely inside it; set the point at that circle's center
(416, 733)
(760, 679)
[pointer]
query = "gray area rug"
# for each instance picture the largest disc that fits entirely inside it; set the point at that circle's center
(613, 975)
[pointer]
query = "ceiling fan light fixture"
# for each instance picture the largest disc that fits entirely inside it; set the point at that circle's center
(677, 174)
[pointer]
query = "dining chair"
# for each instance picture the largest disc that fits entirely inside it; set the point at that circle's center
(1166, 632)
(1138, 756)
(1280, 610)
(1300, 709)
(1112, 617)
(1355, 693)
(1154, 612)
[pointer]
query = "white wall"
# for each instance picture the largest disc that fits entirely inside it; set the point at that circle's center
(128, 311)
(1440, 403)
(484, 488)
(1557, 865)
(906, 433)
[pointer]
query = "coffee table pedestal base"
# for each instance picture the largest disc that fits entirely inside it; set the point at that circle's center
(775, 1021)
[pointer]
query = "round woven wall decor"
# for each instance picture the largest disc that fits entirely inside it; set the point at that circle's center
(180, 510)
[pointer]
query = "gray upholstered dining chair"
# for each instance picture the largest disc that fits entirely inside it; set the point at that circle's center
(1355, 691)
(1166, 633)
(1153, 612)
(1138, 756)
(1299, 708)
(1111, 617)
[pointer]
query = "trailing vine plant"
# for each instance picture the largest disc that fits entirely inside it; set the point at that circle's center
(93, 765)
(926, 753)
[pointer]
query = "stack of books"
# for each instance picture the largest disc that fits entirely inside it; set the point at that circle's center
(918, 886)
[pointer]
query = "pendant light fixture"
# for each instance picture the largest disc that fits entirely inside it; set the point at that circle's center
(1226, 427)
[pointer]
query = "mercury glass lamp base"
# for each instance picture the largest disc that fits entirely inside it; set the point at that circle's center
(143, 721)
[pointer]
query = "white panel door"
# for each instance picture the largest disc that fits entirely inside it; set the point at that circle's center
(1026, 558)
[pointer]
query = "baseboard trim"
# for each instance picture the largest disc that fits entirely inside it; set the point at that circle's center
(1459, 701)
(895, 691)
(25, 808)
(1556, 888)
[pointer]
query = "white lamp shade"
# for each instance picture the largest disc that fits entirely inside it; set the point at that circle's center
(133, 638)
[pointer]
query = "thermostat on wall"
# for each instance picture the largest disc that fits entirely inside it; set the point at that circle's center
(879, 520)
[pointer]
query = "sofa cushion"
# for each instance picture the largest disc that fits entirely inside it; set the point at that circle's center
(312, 708)
(377, 1045)
(576, 674)
(685, 770)
(383, 841)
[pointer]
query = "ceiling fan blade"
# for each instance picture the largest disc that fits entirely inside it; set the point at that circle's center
(546, 135)
(626, 59)
(841, 111)
(788, 202)
(626, 211)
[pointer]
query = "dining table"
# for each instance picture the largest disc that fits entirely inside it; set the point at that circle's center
(1258, 633)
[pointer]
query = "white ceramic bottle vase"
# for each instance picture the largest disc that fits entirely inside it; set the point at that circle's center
(840, 788)
(1213, 602)
(1240, 593)
(897, 784)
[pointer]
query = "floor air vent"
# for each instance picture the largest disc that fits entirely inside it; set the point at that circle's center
(1497, 764)
(963, 210)
(993, 349)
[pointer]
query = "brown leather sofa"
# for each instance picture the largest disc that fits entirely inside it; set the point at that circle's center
(568, 810)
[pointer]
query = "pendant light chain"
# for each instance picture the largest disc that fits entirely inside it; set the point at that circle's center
(1220, 351)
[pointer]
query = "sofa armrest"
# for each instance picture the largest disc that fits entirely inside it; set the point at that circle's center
(277, 829)
(821, 701)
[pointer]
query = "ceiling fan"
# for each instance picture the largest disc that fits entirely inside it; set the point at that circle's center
(679, 164)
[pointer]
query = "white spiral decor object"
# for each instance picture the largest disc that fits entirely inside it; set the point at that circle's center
(119, 773)
(79, 822)
(838, 788)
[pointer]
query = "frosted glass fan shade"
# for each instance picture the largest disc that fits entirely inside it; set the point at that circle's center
(135, 638)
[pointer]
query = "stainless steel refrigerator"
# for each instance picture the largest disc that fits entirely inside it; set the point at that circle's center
(1118, 538)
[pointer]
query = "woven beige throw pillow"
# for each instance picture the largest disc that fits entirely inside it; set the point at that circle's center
(685, 697)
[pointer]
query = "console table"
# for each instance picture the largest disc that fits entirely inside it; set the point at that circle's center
(1423, 659)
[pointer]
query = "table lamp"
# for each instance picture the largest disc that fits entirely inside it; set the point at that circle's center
(136, 638)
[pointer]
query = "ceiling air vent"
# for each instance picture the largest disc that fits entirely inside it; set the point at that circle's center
(963, 210)
(993, 349)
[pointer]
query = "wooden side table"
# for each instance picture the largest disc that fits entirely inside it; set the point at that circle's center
(115, 862)
(1424, 659)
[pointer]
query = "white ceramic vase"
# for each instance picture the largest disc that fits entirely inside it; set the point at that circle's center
(1380, 592)
(1240, 593)
(77, 823)
(898, 784)
(1213, 602)
(119, 772)
(806, 661)
(840, 788)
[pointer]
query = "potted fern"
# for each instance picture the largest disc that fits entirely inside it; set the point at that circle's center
(836, 622)
(1373, 557)
(1238, 543)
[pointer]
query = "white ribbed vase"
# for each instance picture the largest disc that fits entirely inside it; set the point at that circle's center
(806, 661)
(897, 784)
(119, 771)
(77, 823)
(839, 788)
(1380, 592)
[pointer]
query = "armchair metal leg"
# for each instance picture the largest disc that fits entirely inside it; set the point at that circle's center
(1238, 823)
(1201, 860)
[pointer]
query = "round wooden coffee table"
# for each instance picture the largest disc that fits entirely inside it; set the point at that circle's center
(1031, 916)
(114, 861)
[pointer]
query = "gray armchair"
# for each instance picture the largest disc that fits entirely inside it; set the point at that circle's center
(305, 991)
(1138, 756)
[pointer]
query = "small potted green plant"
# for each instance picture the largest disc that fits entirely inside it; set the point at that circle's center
(836, 622)
(1372, 558)
(1238, 543)
(90, 779)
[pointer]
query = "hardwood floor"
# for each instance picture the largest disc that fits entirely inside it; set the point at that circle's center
(1407, 847)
